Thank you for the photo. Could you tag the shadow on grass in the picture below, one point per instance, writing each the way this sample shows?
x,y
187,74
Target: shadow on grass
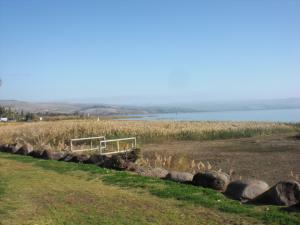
x,y
57,166
167,189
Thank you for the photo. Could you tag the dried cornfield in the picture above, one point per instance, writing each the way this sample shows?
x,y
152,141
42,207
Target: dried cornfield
x,y
58,133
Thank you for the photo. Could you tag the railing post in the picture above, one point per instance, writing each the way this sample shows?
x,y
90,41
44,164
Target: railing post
x,y
118,146
100,145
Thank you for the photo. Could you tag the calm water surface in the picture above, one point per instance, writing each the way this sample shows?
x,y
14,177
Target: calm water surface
x,y
278,115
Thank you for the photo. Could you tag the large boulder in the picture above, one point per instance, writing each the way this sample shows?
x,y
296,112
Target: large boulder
x,y
82,158
182,177
26,149
246,189
131,166
152,172
212,179
5,148
53,155
96,159
116,162
283,193
15,148
131,156
67,158
36,153
294,208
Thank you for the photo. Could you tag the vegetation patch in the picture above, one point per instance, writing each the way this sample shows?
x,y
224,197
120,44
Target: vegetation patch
x,y
2,187
163,189
57,135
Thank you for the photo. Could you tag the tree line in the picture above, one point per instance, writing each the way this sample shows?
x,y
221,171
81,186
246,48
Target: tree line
x,y
11,114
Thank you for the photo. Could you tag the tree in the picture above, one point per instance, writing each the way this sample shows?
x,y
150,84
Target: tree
x,y
30,116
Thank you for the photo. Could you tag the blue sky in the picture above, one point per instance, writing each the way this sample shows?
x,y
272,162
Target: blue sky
x,y
149,51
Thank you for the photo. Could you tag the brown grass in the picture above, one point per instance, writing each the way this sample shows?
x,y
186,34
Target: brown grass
x,y
58,134
271,158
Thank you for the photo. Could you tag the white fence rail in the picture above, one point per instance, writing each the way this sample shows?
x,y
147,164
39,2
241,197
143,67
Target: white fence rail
x,y
97,147
102,143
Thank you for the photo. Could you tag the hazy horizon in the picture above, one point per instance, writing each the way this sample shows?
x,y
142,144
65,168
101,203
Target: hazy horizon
x,y
171,103
156,52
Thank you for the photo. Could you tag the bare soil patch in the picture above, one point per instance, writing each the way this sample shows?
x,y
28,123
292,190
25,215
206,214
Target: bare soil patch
x,y
271,158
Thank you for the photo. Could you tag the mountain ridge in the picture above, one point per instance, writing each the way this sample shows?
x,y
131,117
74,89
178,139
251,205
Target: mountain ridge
x,y
112,109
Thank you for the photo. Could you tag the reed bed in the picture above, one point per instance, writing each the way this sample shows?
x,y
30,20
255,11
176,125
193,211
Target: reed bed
x,y
57,134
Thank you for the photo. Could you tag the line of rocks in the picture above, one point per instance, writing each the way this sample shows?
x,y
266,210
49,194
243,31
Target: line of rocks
x,y
284,193
122,161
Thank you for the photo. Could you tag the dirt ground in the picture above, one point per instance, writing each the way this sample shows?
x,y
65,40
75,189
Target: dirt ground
x,y
271,158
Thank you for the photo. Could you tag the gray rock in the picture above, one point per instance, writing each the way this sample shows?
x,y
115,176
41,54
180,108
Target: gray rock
x,y
212,179
15,148
36,153
294,208
25,149
116,162
283,193
131,156
96,159
152,172
67,158
82,158
246,189
53,155
5,148
131,167
182,177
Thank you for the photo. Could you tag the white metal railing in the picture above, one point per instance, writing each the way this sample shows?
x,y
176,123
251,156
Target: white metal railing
x,y
102,144
86,139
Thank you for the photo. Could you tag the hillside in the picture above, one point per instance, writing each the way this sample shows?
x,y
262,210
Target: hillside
x,y
109,109
96,109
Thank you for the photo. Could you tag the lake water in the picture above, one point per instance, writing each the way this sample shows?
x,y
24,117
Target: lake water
x,y
278,115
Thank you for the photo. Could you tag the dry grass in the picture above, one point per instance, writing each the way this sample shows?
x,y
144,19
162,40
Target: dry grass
x,y
57,134
177,162
272,158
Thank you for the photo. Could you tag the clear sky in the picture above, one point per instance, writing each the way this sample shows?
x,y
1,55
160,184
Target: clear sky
x,y
149,51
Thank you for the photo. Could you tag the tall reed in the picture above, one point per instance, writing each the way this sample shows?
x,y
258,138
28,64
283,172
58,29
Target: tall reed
x,y
58,133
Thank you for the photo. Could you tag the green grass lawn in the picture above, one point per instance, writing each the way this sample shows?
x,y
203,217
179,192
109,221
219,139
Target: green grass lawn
x,y
34,191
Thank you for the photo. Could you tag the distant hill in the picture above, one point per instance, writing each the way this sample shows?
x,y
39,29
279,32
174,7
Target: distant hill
x,y
106,109
96,109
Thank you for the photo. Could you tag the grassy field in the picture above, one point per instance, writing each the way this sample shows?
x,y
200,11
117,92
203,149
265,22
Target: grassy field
x,y
36,191
58,134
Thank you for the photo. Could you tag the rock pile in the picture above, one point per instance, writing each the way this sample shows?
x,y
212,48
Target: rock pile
x,y
120,161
